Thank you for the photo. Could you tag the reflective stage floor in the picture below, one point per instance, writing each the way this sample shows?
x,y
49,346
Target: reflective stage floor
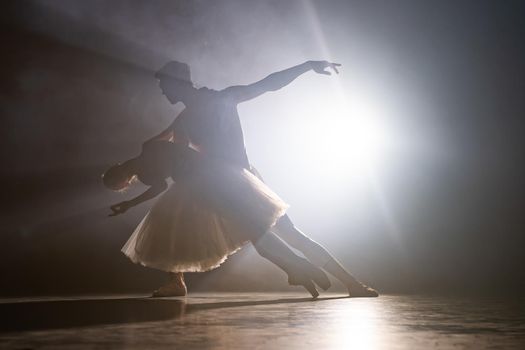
x,y
262,321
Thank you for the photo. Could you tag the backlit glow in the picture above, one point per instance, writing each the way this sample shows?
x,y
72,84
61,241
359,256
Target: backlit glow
x,y
350,137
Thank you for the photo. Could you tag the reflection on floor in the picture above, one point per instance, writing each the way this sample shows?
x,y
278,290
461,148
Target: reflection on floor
x,y
263,321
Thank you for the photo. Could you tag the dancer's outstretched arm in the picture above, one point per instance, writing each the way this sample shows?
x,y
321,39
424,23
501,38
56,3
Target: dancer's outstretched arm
x,y
278,80
152,192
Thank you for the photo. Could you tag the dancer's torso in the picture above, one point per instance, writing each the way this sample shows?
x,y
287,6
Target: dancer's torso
x,y
213,125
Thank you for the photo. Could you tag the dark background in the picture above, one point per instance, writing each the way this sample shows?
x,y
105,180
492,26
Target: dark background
x,y
77,94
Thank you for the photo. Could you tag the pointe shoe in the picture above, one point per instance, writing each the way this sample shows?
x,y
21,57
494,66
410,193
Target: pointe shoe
x,y
312,272
306,283
305,273
362,291
171,290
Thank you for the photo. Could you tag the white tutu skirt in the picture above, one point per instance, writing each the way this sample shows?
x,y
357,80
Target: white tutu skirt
x,y
203,218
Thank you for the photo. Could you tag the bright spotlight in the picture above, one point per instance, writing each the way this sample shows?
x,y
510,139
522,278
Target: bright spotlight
x,y
349,138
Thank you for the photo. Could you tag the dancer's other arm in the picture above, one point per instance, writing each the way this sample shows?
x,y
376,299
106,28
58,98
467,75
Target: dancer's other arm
x,y
278,80
152,192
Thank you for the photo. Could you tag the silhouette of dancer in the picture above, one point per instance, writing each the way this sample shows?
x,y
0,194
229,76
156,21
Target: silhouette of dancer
x,y
211,123
211,210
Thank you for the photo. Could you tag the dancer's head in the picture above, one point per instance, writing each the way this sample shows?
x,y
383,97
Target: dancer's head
x,y
118,177
175,81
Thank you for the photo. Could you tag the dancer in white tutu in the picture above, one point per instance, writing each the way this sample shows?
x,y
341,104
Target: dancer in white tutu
x,y
211,122
208,213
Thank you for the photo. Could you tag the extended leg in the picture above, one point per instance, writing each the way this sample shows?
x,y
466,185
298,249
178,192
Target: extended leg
x,y
316,253
319,256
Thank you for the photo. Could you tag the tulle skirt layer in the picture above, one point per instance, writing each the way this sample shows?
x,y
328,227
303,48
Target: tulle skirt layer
x,y
203,218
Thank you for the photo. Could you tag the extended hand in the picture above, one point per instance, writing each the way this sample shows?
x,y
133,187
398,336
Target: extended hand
x,y
119,208
321,67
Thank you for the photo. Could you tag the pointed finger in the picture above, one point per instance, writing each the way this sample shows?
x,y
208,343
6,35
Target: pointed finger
x,y
334,67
